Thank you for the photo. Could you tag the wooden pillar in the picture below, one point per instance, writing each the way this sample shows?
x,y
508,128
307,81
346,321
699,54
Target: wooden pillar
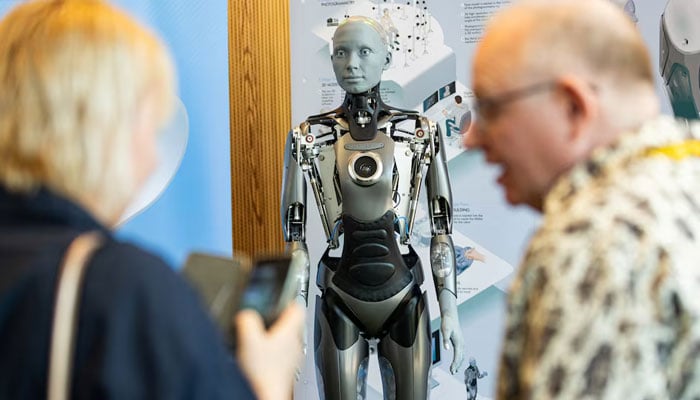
x,y
260,104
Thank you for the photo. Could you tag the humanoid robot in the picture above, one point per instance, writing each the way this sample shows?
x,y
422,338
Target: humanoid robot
x,y
679,58
365,162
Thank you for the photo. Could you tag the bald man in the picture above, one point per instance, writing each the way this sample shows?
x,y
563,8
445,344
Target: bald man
x,y
605,304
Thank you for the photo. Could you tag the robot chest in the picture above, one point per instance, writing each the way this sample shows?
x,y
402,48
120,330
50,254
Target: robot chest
x,y
365,171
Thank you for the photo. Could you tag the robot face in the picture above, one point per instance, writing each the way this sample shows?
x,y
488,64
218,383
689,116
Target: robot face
x,y
359,57
680,56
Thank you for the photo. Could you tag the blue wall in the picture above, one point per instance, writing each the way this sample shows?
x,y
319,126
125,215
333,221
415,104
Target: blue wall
x,y
194,213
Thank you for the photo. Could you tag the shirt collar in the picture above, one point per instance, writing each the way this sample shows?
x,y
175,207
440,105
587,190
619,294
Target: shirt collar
x,y
661,131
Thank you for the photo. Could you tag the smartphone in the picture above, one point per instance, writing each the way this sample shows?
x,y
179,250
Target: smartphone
x,y
271,286
219,281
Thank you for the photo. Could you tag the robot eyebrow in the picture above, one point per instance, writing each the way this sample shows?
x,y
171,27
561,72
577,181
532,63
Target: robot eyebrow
x,y
339,47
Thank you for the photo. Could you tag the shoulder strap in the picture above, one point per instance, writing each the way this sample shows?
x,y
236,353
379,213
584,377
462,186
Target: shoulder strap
x,y
65,313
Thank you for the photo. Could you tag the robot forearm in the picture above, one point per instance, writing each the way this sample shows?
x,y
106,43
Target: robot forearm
x,y
442,262
300,266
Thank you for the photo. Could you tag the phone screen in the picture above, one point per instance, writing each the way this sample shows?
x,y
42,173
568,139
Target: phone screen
x,y
265,286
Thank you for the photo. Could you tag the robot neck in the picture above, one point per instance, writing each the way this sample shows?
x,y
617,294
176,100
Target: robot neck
x,y
361,110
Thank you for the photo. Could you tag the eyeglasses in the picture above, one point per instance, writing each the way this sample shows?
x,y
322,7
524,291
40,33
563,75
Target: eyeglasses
x,y
487,109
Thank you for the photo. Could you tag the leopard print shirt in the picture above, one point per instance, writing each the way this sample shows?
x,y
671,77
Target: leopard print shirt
x,y
606,303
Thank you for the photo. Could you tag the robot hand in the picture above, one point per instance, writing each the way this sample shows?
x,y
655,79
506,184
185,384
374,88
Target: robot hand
x,y
451,331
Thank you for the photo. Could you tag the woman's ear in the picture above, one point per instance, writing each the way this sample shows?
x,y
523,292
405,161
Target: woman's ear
x,y
387,61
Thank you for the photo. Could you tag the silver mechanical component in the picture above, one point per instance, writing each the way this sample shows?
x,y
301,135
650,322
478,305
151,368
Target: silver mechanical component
x,y
365,168
444,276
300,267
442,260
679,58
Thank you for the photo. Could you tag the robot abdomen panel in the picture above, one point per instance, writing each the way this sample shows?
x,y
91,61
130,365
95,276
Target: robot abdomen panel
x,y
372,267
372,273
371,250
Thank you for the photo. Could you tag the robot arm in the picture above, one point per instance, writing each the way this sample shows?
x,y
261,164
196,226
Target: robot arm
x,y
442,254
293,213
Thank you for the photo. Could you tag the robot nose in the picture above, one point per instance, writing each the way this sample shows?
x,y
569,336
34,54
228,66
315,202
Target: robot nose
x,y
353,61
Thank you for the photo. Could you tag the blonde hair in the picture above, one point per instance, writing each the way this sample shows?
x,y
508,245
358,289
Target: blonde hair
x,y
73,74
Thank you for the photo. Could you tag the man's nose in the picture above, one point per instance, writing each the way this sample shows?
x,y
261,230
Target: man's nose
x,y
472,137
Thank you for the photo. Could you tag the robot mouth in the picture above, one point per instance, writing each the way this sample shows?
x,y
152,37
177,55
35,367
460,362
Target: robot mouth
x,y
353,78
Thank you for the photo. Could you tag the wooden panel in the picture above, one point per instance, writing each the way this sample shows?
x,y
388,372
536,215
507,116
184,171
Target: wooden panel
x,y
260,93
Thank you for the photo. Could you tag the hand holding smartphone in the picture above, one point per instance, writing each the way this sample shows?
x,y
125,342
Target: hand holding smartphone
x,y
228,285
271,286
219,281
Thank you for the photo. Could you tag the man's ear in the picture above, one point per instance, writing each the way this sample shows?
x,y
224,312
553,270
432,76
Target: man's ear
x,y
580,102
387,61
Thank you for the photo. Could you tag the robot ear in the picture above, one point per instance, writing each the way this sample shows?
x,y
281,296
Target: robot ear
x,y
387,61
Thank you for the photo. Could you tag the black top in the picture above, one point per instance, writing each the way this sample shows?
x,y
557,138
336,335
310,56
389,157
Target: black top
x,y
142,333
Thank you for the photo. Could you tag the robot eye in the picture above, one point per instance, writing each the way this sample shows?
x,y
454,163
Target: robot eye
x,y
365,51
365,168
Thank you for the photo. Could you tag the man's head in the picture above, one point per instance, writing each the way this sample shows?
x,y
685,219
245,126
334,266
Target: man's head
x,y
360,54
83,89
554,80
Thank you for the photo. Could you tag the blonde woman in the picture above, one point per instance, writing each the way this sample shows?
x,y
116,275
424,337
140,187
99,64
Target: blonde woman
x,y
83,92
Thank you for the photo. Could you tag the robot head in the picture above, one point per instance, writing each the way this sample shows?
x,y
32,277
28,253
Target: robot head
x,y
679,61
472,362
360,54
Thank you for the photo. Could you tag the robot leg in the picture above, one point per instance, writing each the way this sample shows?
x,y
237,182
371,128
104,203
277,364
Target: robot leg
x,y
404,353
341,353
